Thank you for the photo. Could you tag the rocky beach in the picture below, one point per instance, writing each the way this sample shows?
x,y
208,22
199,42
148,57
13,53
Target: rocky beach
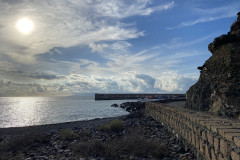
x,y
135,136
119,80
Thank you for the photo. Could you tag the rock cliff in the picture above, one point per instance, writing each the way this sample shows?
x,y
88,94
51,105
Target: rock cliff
x,y
218,87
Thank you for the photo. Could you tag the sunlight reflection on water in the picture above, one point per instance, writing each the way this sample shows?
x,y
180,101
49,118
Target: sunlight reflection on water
x,y
22,111
27,111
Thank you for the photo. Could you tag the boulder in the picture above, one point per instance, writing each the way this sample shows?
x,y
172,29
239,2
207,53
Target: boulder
x,y
218,87
114,105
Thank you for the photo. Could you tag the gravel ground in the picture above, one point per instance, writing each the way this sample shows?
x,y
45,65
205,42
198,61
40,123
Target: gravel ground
x,y
17,143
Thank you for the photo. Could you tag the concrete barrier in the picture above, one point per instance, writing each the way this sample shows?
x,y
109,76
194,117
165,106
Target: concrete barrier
x,y
210,137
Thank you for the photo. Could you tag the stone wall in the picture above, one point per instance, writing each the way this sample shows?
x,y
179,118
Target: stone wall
x,y
211,137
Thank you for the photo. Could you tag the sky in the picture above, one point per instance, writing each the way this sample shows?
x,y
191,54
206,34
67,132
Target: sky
x,y
79,47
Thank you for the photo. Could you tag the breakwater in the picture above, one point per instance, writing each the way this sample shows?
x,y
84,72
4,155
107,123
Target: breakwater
x,y
138,96
210,137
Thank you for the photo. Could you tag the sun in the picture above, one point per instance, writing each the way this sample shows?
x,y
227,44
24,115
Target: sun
x,y
25,25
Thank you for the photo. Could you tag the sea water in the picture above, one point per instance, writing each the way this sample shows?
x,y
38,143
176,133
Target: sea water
x,y
29,111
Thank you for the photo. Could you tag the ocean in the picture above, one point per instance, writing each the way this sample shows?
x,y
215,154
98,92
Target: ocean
x,y
29,111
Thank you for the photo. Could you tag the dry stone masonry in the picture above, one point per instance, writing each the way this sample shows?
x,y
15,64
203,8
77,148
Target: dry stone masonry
x,y
210,137
218,88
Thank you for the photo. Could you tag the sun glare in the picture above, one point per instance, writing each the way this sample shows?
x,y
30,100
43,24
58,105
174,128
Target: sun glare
x,y
25,25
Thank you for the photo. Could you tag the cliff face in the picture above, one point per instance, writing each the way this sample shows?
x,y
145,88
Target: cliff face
x,y
218,87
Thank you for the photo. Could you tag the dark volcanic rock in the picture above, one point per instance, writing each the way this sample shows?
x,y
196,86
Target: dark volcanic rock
x,y
133,106
114,105
218,88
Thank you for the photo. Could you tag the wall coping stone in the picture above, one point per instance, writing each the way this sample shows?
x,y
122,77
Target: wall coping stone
x,y
213,137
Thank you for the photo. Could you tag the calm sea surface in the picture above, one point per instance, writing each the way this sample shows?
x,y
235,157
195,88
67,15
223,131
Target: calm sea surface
x,y
28,111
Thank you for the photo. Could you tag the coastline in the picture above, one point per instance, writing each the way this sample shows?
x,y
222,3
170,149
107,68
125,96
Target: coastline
x,y
31,111
56,126
75,124
136,137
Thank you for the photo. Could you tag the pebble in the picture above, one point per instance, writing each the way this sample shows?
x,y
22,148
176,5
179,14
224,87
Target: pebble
x,y
58,149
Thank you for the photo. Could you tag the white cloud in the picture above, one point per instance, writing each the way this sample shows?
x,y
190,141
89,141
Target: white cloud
x,y
98,47
128,62
204,19
118,46
148,80
173,82
9,88
121,9
67,23
178,42
170,82
211,14
94,24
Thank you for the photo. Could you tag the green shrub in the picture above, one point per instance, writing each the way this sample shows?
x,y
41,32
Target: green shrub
x,y
85,133
105,127
93,147
114,125
67,134
22,141
132,144
138,145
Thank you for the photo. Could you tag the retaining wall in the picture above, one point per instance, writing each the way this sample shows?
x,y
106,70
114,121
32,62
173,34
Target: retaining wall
x,y
211,137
